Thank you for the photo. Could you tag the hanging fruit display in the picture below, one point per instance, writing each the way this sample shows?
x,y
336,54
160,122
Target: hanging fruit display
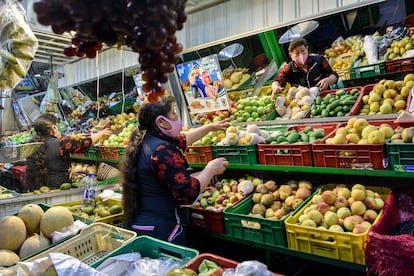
x,y
147,27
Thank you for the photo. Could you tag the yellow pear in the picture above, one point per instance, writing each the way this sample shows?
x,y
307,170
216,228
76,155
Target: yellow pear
x,y
376,137
367,130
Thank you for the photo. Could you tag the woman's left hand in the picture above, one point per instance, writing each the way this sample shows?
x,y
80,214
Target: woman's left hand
x,y
221,124
323,84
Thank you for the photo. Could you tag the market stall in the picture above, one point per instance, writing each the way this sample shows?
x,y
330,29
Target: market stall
x,y
295,159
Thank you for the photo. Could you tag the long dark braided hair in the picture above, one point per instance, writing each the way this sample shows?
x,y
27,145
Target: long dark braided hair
x,y
36,170
147,114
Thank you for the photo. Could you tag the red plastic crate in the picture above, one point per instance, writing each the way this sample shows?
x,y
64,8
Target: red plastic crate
x,y
297,155
78,154
20,172
199,154
107,152
365,91
392,254
399,65
345,155
209,220
220,261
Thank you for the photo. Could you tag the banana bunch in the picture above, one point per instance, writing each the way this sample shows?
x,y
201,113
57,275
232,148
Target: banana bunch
x,y
17,47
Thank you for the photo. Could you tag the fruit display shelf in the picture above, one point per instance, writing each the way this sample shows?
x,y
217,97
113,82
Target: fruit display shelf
x,y
12,205
383,178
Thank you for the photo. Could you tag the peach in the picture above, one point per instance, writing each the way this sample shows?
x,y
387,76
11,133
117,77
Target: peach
x,y
369,193
330,218
336,228
345,192
357,194
329,197
340,202
370,203
338,187
316,216
343,212
360,228
358,207
350,222
303,217
379,202
370,215
358,187
316,198
309,223
322,207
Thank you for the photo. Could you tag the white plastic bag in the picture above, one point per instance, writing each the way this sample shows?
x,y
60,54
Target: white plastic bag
x,y
371,49
18,44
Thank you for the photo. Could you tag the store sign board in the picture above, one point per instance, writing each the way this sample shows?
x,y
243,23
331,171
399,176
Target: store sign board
x,y
202,84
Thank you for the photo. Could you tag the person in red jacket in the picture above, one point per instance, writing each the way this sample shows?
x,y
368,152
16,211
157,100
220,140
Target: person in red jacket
x,y
49,165
304,69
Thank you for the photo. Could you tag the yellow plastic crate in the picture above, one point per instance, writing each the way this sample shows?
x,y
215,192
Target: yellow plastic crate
x,y
345,246
115,219
93,243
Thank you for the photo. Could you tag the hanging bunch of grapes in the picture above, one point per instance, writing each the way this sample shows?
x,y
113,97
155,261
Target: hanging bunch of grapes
x,y
146,26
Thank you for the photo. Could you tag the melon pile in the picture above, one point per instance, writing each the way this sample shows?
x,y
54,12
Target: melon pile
x,y
30,231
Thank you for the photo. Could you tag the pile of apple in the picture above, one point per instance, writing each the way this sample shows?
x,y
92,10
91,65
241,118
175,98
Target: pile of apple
x,y
18,138
121,139
252,109
224,193
342,209
271,201
119,121
387,96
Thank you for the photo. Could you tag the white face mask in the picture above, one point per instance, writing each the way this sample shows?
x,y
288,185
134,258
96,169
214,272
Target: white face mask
x,y
175,126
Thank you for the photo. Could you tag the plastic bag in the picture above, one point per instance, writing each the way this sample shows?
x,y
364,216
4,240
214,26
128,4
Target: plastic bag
x,y
64,265
371,49
52,96
248,268
18,44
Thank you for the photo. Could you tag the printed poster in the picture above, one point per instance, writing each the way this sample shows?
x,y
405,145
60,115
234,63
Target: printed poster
x,y
202,84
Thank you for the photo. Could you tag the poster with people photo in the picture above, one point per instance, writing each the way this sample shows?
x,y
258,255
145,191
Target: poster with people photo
x,y
202,84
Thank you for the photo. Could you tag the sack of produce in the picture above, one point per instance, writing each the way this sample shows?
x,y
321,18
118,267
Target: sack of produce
x,y
18,44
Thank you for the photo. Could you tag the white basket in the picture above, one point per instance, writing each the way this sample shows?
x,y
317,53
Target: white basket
x,y
10,154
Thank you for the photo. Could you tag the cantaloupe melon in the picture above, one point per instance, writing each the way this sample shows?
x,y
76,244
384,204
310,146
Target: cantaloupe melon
x,y
55,219
32,244
8,257
12,232
31,214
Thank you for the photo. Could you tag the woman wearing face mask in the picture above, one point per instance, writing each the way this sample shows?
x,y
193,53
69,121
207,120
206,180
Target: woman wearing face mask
x,y
156,177
304,69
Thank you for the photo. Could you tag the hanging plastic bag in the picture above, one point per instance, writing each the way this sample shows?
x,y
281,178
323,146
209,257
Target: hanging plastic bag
x,y
52,96
18,44
371,49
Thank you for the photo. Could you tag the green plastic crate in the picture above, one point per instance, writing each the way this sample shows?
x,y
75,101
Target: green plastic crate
x,y
117,108
153,248
369,70
271,232
399,154
237,154
93,152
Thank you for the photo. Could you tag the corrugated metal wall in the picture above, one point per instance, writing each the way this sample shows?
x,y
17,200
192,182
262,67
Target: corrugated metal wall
x,y
224,22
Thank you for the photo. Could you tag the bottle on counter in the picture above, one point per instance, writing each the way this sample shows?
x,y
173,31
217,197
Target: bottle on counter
x,y
90,191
